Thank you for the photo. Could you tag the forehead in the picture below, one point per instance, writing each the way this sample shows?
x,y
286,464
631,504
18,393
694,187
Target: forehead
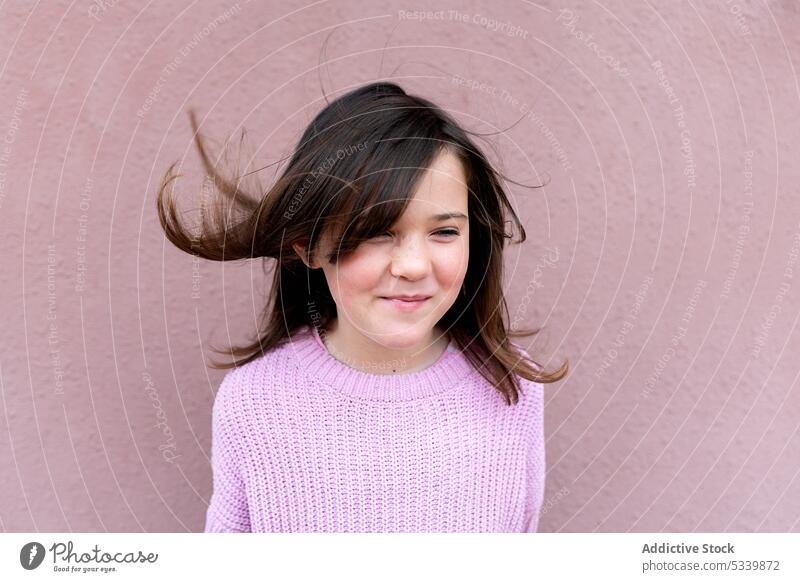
x,y
441,188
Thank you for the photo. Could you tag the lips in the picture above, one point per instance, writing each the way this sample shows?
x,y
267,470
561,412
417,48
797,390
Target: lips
x,y
406,303
408,297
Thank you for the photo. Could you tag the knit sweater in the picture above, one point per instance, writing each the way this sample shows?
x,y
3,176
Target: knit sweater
x,y
301,442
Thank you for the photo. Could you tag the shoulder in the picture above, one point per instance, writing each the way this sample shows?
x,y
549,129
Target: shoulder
x,y
531,392
258,378
231,394
240,395
531,414
239,381
531,398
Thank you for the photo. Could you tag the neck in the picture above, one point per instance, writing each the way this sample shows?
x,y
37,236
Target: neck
x,y
357,351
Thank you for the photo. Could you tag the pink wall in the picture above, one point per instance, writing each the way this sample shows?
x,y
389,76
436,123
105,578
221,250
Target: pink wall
x,y
660,255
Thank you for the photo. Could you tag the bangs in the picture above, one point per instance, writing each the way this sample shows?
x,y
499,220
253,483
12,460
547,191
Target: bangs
x,y
380,194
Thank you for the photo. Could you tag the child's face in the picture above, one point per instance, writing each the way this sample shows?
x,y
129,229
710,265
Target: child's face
x,y
422,255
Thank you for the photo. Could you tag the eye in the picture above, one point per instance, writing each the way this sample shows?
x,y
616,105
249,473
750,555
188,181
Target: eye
x,y
448,232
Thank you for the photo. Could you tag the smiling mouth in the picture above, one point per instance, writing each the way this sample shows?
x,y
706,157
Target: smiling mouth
x,y
408,299
405,304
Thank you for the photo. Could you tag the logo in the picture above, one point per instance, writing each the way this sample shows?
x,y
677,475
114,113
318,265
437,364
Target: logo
x,y
66,559
31,555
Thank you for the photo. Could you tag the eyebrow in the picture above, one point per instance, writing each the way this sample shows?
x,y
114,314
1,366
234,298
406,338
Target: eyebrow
x,y
448,215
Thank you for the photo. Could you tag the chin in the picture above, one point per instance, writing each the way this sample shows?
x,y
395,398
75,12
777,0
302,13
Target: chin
x,y
402,337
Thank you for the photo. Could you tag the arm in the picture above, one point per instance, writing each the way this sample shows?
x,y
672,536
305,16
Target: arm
x,y
535,463
227,511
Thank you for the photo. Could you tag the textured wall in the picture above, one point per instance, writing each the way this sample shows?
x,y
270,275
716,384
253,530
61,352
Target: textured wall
x,y
661,254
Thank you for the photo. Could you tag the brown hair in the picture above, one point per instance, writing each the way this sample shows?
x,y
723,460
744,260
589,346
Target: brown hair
x,y
354,165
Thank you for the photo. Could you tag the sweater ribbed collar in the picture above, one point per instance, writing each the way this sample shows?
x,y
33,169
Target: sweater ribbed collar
x,y
314,359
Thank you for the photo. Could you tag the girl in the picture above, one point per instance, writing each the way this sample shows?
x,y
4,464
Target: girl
x,y
383,393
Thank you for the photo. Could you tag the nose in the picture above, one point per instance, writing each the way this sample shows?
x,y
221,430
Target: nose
x,y
410,260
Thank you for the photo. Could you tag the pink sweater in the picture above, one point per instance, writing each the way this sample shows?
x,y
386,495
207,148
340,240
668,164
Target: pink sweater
x,y
304,443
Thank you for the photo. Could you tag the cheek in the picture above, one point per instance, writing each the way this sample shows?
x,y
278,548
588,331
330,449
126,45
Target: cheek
x,y
364,271
359,273
451,267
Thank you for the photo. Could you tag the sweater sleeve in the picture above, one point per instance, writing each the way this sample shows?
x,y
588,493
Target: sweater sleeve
x,y
535,463
227,511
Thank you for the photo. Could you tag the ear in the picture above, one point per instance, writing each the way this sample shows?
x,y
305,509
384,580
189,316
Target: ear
x,y
301,252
